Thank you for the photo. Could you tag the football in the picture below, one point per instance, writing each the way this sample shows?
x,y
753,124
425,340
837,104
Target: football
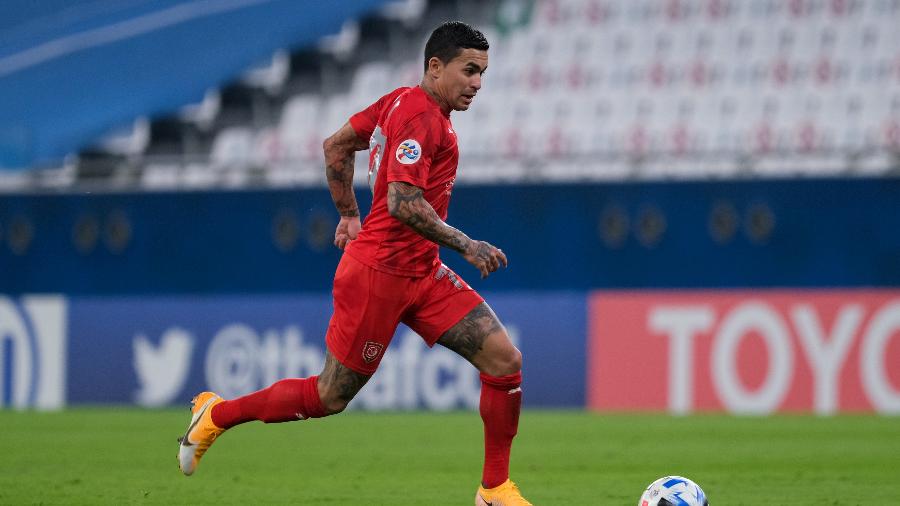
x,y
673,491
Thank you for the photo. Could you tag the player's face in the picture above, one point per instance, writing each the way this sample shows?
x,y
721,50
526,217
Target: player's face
x,y
461,78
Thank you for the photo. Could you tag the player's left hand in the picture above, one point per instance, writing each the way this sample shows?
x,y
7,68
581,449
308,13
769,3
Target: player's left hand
x,y
485,257
346,231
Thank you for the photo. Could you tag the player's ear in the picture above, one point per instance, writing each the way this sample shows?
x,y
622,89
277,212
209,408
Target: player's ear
x,y
435,67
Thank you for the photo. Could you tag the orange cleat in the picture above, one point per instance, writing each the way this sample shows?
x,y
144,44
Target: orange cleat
x,y
201,433
505,494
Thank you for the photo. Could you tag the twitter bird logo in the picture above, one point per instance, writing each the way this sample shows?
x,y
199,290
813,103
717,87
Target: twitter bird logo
x,y
162,369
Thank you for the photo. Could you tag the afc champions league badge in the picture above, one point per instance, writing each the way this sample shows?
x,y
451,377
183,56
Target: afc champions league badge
x,y
371,351
408,151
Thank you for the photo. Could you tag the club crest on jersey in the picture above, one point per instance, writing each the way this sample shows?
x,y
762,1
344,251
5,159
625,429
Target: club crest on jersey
x,y
371,351
409,151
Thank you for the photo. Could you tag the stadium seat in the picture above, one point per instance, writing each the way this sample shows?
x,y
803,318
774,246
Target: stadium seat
x,y
300,128
204,113
130,141
233,147
161,176
200,176
267,147
337,109
342,44
372,80
271,75
408,12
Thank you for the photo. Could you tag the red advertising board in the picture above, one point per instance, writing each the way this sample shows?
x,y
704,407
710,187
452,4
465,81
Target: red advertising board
x,y
751,352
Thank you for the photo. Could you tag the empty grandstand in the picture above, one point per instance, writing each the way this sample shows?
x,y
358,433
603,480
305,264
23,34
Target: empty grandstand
x,y
577,90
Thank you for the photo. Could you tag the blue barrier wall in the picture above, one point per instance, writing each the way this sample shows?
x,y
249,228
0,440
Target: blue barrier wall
x,y
816,233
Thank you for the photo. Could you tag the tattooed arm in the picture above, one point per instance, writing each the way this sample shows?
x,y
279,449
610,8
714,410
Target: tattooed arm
x,y
340,153
407,204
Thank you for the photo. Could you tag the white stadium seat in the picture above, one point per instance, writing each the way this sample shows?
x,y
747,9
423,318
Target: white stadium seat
x,y
129,141
233,147
300,129
372,80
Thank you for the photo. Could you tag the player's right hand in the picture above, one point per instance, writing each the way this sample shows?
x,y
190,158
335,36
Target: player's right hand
x,y
485,257
346,231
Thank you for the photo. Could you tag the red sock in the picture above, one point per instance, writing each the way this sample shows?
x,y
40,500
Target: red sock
x,y
501,399
286,400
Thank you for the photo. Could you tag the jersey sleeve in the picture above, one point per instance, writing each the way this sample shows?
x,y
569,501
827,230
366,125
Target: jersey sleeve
x,y
364,121
411,148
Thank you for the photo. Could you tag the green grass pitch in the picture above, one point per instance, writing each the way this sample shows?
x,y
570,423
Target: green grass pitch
x,y
127,456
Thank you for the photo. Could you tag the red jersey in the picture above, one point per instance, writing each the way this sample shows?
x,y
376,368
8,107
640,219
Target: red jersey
x,y
410,140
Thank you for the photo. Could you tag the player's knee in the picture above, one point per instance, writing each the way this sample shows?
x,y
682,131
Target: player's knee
x,y
512,361
506,362
333,400
334,405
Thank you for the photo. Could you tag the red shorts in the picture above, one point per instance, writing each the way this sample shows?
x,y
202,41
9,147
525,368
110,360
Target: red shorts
x,y
369,304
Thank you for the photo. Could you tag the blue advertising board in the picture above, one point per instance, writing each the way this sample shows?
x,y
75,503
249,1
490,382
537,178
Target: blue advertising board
x,y
157,351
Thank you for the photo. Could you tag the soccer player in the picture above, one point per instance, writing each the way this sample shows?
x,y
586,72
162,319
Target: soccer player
x,y
390,271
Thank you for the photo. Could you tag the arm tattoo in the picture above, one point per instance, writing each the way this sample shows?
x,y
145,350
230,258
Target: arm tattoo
x,y
407,203
467,337
340,183
482,251
340,153
345,382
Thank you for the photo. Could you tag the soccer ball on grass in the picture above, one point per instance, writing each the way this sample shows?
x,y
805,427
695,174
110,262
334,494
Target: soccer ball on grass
x,y
673,491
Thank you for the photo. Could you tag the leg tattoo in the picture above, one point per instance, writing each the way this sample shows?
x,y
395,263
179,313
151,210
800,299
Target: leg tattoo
x,y
467,337
339,384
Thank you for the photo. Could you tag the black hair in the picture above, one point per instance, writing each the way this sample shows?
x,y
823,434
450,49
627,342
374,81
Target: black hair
x,y
448,39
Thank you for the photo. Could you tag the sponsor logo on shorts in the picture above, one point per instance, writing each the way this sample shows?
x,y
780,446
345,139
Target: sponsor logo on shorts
x,y
409,151
371,351
444,271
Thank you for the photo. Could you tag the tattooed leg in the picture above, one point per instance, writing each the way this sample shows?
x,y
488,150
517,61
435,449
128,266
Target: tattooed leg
x,y
481,339
338,384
